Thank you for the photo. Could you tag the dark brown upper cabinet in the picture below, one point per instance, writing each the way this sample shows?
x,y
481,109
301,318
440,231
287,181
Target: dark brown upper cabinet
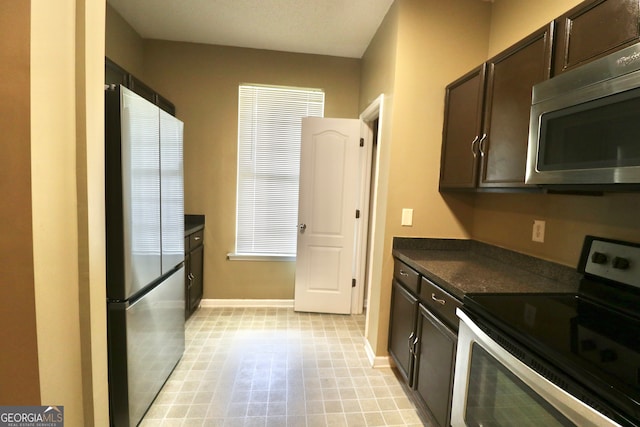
x,y
486,117
505,132
462,130
593,29
115,74
142,89
486,125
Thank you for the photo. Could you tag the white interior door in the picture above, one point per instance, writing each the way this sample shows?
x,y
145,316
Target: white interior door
x,y
329,175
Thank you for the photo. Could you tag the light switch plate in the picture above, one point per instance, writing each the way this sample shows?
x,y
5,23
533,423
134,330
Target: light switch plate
x,y
407,217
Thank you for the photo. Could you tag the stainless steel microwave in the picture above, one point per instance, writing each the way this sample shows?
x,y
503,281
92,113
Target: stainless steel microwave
x,y
585,125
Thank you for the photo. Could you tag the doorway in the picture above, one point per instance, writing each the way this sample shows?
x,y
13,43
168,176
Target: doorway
x,y
363,231
371,119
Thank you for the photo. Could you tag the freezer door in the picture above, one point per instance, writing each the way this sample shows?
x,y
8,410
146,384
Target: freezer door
x,y
171,191
140,192
146,341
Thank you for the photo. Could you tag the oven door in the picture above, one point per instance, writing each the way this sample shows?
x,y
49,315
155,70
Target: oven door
x,y
494,388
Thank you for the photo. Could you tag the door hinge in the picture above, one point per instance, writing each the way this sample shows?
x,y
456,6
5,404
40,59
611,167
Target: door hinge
x,y
357,213
353,283
361,142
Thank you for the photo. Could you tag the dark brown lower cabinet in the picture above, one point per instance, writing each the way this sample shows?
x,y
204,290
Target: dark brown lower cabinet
x,y
422,341
402,329
435,359
194,271
195,280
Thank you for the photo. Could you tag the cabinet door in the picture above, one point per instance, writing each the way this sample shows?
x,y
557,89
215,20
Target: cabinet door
x,y
510,79
593,29
187,285
114,74
165,104
402,329
461,133
433,377
142,89
195,293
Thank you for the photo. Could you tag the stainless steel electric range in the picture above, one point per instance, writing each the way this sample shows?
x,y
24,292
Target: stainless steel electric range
x,y
555,359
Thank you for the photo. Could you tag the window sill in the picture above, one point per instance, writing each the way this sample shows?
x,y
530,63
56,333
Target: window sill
x,y
259,257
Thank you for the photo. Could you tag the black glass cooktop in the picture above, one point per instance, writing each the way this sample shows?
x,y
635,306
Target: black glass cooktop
x,y
596,345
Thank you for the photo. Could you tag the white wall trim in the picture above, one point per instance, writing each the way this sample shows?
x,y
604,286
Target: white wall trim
x,y
363,226
247,303
259,257
376,362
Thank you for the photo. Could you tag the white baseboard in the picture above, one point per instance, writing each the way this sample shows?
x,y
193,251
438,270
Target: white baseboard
x,y
288,303
376,362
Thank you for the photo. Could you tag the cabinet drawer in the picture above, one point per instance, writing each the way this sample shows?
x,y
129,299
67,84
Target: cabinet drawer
x,y
440,303
196,239
407,276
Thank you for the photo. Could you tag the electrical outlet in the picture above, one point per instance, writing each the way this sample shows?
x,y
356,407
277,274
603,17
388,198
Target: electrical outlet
x,y
407,217
538,231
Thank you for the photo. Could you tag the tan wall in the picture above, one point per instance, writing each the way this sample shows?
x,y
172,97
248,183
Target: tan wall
x,y
378,77
123,44
427,43
19,356
202,81
67,142
90,42
507,219
379,62
512,20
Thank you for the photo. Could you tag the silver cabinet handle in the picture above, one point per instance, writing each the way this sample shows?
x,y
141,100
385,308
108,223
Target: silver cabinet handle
x,y
481,144
439,301
196,238
403,273
302,227
474,150
410,342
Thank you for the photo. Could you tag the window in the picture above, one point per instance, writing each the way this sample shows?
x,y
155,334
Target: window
x,y
269,132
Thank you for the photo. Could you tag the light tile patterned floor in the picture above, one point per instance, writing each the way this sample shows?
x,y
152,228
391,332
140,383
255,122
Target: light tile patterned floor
x,y
274,367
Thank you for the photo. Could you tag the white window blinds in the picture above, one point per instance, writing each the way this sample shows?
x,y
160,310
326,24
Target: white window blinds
x,y
269,132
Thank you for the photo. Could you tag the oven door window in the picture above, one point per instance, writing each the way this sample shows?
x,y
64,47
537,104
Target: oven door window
x,y
496,397
602,133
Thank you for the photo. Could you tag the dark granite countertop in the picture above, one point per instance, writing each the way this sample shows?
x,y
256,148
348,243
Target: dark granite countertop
x,y
193,223
467,266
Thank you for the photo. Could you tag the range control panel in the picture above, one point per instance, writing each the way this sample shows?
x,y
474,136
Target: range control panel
x,y
612,260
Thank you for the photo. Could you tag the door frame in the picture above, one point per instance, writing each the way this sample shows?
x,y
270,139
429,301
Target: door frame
x,y
368,176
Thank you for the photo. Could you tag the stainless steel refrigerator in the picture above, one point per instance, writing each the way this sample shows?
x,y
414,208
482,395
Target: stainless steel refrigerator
x,y
145,251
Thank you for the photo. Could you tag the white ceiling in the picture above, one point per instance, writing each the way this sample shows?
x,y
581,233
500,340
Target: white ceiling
x,y
326,27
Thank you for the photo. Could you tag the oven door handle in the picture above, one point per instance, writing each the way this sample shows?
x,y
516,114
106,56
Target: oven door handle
x,y
469,335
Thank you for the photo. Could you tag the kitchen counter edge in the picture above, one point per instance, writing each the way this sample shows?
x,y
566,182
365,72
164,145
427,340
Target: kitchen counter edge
x,y
463,267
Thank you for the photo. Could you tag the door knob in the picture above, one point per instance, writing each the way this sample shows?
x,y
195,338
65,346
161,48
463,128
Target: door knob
x,y
302,227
